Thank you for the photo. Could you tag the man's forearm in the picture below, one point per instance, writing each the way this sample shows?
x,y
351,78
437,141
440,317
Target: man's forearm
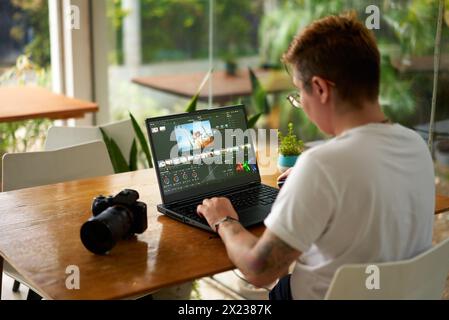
x,y
239,243
262,260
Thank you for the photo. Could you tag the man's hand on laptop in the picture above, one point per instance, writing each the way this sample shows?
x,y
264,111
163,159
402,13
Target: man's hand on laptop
x,y
215,209
285,174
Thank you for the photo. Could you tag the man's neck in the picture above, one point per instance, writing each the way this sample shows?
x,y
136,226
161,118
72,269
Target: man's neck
x,y
369,113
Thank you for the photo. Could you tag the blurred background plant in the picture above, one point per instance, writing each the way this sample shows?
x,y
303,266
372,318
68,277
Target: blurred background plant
x,y
409,22
185,33
407,29
21,136
31,28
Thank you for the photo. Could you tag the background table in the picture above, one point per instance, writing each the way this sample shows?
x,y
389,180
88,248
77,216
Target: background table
x,y
226,88
30,102
39,236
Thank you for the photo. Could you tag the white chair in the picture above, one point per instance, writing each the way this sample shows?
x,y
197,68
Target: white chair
x,y
23,170
122,132
422,277
29,169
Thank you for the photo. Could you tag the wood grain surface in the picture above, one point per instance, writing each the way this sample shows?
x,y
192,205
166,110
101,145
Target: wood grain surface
x,y
30,102
39,236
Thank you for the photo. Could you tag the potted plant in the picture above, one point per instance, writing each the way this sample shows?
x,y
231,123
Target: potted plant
x,y
290,149
230,62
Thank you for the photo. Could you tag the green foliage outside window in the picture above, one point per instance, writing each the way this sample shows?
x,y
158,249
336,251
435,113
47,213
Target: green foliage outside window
x,y
407,29
34,13
174,30
20,136
178,30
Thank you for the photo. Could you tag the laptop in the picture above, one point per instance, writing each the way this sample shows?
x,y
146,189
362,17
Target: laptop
x,y
205,154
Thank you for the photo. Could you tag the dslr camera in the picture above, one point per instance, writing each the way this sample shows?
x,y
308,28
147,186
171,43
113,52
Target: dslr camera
x,y
114,218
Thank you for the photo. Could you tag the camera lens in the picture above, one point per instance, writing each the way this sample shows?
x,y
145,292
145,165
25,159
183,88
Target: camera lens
x,y
100,233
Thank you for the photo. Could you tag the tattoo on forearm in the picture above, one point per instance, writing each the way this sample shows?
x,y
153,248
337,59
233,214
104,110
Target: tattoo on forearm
x,y
273,255
268,255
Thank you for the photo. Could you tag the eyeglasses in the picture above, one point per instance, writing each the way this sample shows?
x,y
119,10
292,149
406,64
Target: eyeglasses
x,y
294,100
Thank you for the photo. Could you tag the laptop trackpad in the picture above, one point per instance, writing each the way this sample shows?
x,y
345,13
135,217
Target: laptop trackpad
x,y
253,215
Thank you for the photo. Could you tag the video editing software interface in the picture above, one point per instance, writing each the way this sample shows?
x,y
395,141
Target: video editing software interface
x,y
202,152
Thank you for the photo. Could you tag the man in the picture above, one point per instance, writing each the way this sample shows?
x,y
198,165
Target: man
x,y
367,195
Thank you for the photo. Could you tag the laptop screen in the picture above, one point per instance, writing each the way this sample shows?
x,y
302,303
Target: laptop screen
x,y
202,152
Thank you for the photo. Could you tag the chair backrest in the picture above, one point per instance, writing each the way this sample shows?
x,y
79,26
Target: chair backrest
x,y
29,169
422,277
122,132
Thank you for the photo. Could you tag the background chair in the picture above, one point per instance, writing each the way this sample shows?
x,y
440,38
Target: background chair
x,y
23,170
422,277
122,132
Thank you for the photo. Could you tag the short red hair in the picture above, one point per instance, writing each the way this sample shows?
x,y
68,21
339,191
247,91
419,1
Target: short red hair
x,y
342,50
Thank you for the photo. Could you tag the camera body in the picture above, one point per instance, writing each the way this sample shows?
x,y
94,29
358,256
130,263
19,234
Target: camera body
x,y
114,218
126,198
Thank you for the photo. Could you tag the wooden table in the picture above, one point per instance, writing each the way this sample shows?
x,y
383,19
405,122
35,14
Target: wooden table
x,y
30,102
420,63
39,236
226,88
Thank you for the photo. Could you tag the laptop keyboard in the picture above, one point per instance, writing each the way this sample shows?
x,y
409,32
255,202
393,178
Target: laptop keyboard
x,y
260,195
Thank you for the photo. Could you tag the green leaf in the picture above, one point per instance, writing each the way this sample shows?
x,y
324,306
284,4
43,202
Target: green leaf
x,y
115,154
193,102
252,121
133,156
142,141
107,142
122,166
259,95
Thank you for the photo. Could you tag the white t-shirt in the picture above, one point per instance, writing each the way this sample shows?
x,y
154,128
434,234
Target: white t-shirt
x,y
365,196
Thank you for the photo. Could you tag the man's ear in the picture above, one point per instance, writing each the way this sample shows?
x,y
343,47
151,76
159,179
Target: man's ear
x,y
321,88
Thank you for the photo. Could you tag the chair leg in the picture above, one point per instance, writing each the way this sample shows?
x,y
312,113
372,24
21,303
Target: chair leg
x,y
33,295
16,286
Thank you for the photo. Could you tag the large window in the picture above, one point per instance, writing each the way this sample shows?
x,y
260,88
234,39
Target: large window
x,y
152,37
155,37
